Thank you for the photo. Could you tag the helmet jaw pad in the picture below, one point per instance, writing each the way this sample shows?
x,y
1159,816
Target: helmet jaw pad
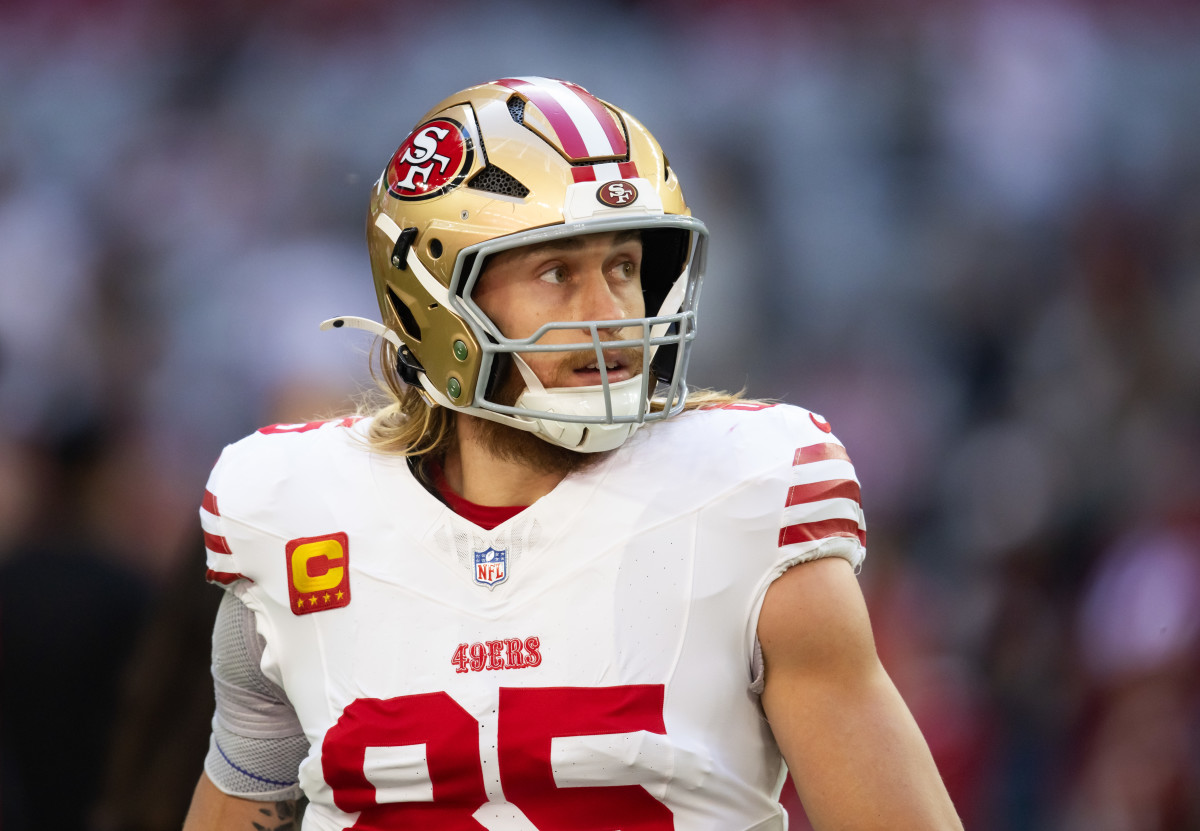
x,y
438,346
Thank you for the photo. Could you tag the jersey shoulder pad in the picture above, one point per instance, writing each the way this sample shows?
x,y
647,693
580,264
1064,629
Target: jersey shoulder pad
x,y
750,437
788,456
253,474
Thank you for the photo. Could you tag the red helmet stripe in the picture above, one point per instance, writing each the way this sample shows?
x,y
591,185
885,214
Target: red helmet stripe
x,y
581,123
616,139
564,127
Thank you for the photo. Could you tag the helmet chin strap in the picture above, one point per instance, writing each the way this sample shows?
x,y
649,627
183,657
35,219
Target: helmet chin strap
x,y
364,324
387,334
623,396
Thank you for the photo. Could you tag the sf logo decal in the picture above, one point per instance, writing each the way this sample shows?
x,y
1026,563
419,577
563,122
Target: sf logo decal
x,y
617,194
432,160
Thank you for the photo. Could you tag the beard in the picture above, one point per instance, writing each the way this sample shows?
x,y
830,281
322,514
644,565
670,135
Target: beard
x,y
512,444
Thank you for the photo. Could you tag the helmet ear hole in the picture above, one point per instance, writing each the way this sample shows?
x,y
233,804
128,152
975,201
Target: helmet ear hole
x,y
435,248
408,322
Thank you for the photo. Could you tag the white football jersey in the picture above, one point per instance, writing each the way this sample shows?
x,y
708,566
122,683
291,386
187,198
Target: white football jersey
x,y
585,665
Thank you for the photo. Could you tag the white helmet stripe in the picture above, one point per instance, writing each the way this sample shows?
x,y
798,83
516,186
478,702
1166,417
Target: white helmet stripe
x,y
581,123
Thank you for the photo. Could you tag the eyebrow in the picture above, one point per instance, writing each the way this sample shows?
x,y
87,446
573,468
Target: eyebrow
x,y
572,243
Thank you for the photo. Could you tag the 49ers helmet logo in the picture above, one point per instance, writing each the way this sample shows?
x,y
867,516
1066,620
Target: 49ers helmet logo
x,y
431,161
617,194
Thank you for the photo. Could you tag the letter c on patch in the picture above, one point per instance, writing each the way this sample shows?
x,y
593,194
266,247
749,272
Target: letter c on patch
x,y
316,566
318,571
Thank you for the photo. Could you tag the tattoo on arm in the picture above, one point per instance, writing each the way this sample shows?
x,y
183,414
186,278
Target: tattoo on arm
x,y
280,818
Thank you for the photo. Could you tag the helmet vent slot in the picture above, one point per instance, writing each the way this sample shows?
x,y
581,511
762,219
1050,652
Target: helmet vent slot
x,y
407,321
494,180
516,109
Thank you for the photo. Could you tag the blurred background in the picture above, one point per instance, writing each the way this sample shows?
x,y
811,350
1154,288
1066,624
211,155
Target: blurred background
x,y
966,232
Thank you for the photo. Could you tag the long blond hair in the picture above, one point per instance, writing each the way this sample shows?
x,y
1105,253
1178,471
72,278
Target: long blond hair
x,y
404,424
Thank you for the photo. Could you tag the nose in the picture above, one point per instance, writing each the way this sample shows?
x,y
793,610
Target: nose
x,y
601,300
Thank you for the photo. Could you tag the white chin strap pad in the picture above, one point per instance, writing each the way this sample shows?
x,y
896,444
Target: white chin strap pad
x,y
581,401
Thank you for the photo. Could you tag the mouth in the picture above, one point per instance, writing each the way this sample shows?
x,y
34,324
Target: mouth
x,y
590,375
618,365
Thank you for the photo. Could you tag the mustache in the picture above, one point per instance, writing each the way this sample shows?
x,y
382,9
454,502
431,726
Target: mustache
x,y
629,357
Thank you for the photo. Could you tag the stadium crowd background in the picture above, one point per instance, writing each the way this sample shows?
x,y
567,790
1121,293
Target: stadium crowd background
x,y
966,232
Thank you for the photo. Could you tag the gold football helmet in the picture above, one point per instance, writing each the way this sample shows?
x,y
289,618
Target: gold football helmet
x,y
511,163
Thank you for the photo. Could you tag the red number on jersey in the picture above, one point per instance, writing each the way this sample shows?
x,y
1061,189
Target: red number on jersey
x,y
451,738
529,720
460,659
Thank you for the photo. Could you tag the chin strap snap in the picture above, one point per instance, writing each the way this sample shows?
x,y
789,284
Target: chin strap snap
x,y
407,366
364,324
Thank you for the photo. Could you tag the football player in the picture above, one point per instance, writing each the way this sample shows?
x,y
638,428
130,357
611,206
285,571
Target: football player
x,y
546,586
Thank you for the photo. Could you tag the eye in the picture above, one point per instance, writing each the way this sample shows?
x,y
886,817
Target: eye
x,y
555,275
626,270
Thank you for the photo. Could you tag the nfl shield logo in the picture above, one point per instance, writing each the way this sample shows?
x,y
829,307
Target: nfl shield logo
x,y
491,567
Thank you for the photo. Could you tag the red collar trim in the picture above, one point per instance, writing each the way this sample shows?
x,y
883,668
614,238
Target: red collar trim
x,y
485,516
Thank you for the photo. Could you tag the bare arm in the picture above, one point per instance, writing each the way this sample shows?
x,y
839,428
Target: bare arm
x,y
213,810
857,756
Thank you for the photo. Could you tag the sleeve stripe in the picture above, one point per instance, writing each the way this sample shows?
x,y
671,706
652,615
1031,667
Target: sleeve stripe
x,y
820,452
215,543
809,531
210,503
827,489
822,510
224,577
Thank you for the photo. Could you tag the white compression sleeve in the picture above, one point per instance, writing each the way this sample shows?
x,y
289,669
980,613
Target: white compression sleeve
x,y
257,743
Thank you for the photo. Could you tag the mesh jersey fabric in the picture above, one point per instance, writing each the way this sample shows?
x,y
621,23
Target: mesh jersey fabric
x,y
257,742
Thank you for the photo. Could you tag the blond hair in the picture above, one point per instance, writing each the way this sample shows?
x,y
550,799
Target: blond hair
x,y
405,424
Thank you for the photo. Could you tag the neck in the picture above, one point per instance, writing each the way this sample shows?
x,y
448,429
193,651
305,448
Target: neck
x,y
487,465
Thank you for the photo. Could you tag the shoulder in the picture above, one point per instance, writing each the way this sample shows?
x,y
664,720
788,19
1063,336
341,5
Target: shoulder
x,y
749,438
783,459
272,458
289,443
763,447
292,481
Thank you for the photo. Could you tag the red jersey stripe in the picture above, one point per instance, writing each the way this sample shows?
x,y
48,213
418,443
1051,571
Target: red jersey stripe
x,y
819,453
615,137
568,134
821,529
210,502
214,543
224,577
828,489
